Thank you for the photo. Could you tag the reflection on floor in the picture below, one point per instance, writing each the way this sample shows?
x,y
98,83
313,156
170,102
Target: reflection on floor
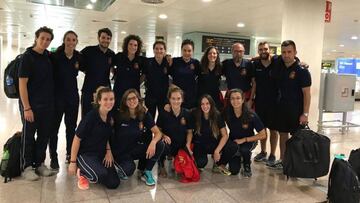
x,y
266,185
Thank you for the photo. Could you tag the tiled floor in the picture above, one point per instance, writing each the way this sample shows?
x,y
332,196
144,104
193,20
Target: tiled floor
x,y
266,185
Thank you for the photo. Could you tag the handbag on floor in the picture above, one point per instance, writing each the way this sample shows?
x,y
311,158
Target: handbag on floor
x,y
10,166
343,185
307,154
354,160
184,165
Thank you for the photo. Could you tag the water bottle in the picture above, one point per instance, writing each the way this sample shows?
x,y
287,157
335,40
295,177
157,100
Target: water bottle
x,y
9,80
340,156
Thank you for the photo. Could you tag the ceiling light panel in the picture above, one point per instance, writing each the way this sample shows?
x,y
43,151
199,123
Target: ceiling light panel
x,y
83,4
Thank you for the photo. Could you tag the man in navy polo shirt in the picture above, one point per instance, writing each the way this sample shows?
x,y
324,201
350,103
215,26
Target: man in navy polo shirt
x,y
239,73
266,96
294,84
97,65
36,87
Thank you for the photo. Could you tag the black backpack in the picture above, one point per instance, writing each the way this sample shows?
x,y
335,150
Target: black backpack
x,y
10,166
344,185
354,161
11,78
307,154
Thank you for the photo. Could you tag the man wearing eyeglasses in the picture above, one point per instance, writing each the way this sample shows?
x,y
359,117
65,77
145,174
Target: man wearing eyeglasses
x,y
239,73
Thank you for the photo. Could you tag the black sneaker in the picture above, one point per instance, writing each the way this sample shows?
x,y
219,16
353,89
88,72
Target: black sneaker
x,y
247,171
54,164
261,157
67,161
271,160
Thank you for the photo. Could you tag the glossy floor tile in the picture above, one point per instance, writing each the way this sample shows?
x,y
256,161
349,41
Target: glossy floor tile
x,y
265,185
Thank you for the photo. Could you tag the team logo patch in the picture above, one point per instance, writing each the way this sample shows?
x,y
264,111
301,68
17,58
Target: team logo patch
x,y
292,75
192,67
165,70
245,126
136,65
183,121
243,72
76,65
141,125
109,61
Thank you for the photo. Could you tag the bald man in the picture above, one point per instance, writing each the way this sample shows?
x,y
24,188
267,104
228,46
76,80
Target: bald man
x,y
239,73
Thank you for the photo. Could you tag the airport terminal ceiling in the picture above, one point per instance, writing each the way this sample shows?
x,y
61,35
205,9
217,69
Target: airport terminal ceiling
x,y
259,19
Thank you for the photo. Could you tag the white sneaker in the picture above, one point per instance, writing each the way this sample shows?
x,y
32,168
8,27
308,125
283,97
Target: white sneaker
x,y
29,174
42,170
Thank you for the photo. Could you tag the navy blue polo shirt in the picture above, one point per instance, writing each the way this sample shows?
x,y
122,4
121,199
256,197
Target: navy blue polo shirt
x,y
127,73
209,83
240,130
175,127
206,135
238,77
39,71
185,75
130,132
97,66
157,78
290,81
65,72
266,89
94,133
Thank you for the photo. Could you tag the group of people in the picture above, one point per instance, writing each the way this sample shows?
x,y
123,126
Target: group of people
x,y
118,127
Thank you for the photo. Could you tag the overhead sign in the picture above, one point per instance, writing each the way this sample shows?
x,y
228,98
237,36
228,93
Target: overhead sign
x,y
348,65
224,44
328,12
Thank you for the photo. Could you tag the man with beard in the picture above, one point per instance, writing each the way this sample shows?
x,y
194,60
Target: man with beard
x,y
266,95
239,74
97,65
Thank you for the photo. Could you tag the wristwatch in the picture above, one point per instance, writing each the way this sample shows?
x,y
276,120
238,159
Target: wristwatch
x,y
306,114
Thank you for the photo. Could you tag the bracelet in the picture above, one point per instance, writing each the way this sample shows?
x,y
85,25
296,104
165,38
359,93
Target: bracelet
x,y
28,109
246,140
74,162
108,149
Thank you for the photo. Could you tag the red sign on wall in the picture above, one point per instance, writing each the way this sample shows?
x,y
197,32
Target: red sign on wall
x,y
328,12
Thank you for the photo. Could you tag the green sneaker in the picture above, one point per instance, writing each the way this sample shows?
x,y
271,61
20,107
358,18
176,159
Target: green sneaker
x,y
148,178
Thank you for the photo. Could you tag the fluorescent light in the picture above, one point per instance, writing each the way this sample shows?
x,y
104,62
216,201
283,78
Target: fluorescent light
x,y
334,50
89,6
354,37
177,37
123,32
93,1
206,1
341,45
163,16
240,25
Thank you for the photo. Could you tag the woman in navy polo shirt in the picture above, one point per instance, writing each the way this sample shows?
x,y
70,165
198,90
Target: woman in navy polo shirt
x,y
211,137
91,156
129,65
66,63
157,79
184,70
175,126
209,78
242,122
133,138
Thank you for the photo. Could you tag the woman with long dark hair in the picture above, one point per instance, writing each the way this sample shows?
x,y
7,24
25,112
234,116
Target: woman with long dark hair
x,y
211,137
66,62
129,65
133,138
242,122
209,78
91,156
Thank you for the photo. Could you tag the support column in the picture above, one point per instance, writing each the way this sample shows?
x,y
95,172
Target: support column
x,y
303,22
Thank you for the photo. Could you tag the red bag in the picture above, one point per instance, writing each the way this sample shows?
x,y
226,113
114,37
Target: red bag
x,y
184,164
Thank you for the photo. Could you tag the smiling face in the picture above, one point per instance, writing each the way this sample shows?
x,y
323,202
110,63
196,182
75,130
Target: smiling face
x,y
132,101
132,47
236,100
70,41
264,51
159,51
43,41
238,51
187,52
176,100
104,40
107,101
212,55
205,105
